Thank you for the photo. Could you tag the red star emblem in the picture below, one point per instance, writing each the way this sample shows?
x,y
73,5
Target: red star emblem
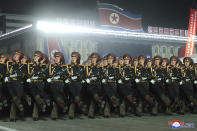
x,y
114,18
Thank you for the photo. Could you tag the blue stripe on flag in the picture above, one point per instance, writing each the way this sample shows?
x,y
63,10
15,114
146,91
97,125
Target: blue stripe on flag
x,y
109,6
46,49
62,50
115,28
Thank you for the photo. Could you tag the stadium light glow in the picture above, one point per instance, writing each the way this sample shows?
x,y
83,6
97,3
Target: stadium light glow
x,y
65,28
13,33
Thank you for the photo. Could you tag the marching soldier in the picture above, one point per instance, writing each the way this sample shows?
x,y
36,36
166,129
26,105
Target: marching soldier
x,y
174,77
75,73
3,99
158,82
109,78
56,79
14,83
25,60
121,61
188,76
126,86
93,80
36,84
135,61
143,75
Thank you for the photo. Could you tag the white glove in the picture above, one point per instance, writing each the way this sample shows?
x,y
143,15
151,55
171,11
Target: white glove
x,y
127,79
14,75
103,80
6,79
195,82
120,81
67,81
181,82
49,80
152,81
94,78
111,77
28,80
35,77
167,81
74,77
82,81
56,78
88,81
137,80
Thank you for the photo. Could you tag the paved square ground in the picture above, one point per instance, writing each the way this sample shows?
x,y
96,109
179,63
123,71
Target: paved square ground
x,y
128,123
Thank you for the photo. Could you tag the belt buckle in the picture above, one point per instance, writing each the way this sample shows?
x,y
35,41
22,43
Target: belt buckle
x,y
144,78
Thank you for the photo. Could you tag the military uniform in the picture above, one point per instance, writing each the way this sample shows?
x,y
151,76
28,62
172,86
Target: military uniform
x,y
110,75
143,76
14,83
158,84
126,86
37,74
187,90
57,75
3,70
93,80
75,73
173,79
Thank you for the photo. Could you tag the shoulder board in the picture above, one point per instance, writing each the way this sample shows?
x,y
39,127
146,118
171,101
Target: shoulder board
x,y
31,63
81,65
43,64
24,63
64,65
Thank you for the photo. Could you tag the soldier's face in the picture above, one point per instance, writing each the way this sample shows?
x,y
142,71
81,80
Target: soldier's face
x,y
173,62
115,64
121,62
149,64
42,61
36,58
2,60
74,60
110,61
126,62
164,63
16,57
141,61
157,62
89,61
94,60
187,63
135,63
24,60
105,63
57,60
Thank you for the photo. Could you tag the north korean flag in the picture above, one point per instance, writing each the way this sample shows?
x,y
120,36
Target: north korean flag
x,y
53,45
115,18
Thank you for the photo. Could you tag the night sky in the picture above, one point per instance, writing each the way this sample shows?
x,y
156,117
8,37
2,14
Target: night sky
x,y
164,13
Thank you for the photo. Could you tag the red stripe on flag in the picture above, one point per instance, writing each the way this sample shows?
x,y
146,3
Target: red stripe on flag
x,y
53,47
191,32
124,21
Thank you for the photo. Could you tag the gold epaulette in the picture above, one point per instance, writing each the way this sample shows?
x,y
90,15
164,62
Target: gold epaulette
x,y
43,64
81,65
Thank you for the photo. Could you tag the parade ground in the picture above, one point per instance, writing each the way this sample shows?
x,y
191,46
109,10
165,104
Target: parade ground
x,y
115,123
